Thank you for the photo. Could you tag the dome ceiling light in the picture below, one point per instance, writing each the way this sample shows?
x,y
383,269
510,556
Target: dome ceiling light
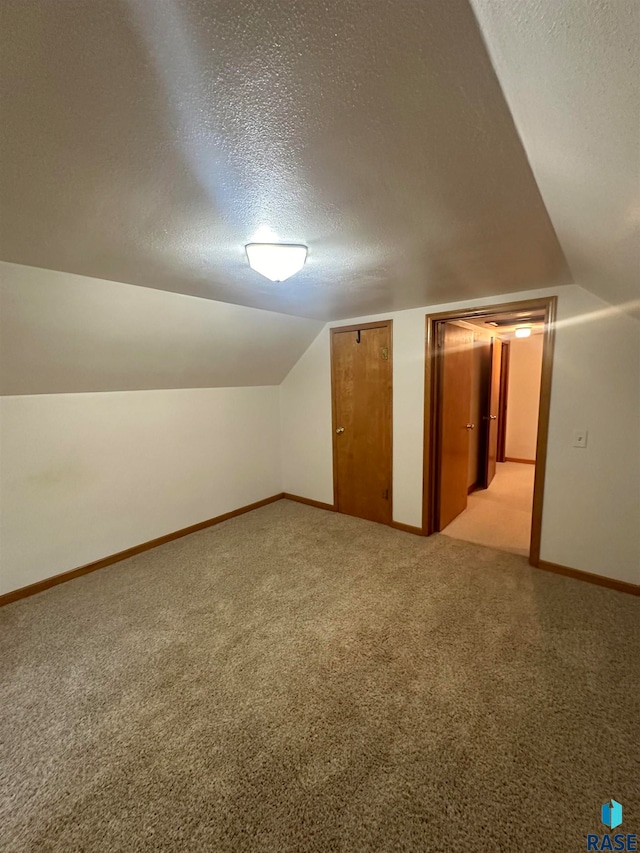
x,y
276,261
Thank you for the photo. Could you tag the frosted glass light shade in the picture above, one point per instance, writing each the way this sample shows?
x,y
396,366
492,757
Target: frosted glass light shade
x,y
276,261
523,332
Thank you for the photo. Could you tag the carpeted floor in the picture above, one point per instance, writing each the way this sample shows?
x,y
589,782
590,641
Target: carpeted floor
x,y
296,681
499,516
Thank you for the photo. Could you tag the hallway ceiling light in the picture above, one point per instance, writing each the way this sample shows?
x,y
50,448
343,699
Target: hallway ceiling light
x,y
276,261
523,332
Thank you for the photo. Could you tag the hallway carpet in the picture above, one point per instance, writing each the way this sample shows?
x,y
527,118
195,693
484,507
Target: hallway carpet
x,y
500,516
298,680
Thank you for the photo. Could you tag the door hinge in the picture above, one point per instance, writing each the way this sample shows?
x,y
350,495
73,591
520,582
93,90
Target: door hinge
x,y
384,352
440,335
385,494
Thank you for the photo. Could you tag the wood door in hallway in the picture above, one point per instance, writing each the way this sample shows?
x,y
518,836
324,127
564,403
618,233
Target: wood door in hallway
x,y
455,345
502,415
361,373
492,412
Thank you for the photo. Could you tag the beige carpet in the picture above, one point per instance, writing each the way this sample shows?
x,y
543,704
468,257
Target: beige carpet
x,y
296,680
500,516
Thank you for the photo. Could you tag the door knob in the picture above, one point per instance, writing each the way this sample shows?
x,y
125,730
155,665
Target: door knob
x,y
471,426
340,429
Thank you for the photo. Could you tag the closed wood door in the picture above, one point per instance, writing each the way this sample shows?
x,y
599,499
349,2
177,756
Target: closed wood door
x,y
362,401
502,414
456,363
492,408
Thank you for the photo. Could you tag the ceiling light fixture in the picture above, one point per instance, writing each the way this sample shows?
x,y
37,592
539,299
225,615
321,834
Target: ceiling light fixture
x,y
523,332
276,261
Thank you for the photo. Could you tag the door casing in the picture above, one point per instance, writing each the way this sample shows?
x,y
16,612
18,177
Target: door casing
x,y
492,401
432,407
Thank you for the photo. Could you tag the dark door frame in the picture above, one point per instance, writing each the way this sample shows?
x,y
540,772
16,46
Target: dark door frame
x,y
336,330
504,394
432,409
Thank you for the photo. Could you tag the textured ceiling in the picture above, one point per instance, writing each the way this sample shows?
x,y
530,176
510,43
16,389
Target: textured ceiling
x,y
64,333
506,329
570,71
147,141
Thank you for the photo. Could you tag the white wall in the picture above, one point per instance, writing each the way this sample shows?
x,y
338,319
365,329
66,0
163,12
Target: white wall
x,y
592,496
523,396
305,415
63,333
86,475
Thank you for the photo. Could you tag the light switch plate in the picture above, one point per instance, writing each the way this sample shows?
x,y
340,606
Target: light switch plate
x,y
580,438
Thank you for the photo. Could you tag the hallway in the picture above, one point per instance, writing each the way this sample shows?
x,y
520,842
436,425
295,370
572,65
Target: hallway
x,y
499,516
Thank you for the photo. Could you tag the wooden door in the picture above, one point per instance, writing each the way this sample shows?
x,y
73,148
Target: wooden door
x,y
502,413
362,407
492,411
456,364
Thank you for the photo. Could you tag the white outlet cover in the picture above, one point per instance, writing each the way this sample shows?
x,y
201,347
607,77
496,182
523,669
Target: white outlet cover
x,y
580,438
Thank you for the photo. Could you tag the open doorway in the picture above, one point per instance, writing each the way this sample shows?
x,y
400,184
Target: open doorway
x,y
488,383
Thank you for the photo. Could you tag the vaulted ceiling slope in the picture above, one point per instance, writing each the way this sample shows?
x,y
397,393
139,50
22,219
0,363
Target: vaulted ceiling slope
x,y
66,333
570,71
147,141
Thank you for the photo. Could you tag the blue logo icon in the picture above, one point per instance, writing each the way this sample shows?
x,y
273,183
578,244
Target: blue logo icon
x,y
611,814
